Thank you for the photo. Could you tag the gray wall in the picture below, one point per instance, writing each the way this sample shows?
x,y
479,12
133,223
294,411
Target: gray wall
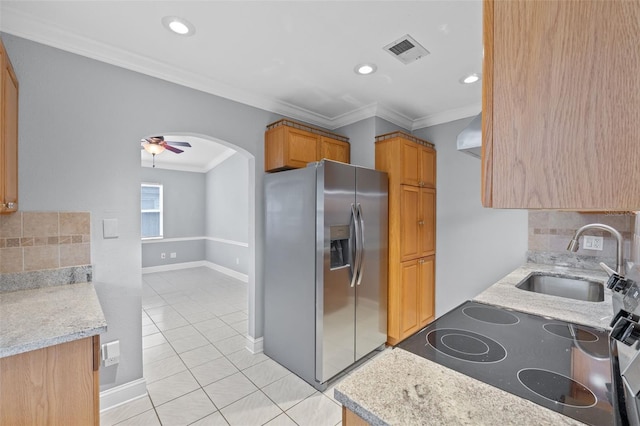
x,y
184,196
474,246
227,209
184,200
362,137
80,125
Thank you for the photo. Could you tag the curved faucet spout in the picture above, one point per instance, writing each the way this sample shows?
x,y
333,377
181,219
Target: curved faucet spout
x,y
574,245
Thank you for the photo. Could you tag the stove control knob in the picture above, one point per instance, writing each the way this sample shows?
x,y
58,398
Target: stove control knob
x,y
631,334
624,314
626,330
618,283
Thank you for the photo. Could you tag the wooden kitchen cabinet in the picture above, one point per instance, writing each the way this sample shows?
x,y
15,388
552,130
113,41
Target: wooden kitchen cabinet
x,y
410,164
334,149
418,164
349,418
8,135
415,295
57,385
292,145
561,101
417,222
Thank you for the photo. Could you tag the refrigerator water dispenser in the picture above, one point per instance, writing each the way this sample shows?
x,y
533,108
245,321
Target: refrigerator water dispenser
x,y
340,236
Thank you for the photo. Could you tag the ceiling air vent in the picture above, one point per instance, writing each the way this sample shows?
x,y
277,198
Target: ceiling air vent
x,y
406,49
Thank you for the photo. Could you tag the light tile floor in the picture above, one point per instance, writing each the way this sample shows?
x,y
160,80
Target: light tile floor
x,y
197,368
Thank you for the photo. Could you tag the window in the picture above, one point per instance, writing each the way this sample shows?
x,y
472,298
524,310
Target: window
x,y
151,210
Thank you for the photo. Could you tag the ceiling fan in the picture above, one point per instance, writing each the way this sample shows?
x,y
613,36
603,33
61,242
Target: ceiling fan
x,y
156,145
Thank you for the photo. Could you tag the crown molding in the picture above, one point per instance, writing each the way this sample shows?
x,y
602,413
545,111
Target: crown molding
x,y
371,110
394,117
29,27
447,116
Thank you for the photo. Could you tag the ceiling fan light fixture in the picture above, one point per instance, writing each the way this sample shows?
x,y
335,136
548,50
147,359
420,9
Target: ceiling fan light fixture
x,y
178,25
365,69
153,148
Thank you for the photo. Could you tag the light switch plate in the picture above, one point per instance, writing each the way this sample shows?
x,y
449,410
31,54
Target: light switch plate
x,y
110,228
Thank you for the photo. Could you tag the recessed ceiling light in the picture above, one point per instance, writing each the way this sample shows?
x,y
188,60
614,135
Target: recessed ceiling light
x,y
365,69
178,25
471,78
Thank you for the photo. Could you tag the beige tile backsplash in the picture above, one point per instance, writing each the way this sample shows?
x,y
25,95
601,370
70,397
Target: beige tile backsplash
x,y
33,241
551,231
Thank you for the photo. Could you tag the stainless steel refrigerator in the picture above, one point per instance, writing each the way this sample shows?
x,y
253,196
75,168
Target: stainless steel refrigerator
x,y
325,268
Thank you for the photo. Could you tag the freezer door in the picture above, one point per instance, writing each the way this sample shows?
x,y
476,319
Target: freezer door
x,y
371,284
335,245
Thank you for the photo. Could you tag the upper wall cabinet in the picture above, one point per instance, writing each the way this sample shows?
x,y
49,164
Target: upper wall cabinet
x,y
8,135
561,105
291,145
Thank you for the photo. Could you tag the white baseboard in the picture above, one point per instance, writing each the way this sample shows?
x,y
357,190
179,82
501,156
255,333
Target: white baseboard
x,y
255,346
185,265
122,394
173,266
235,274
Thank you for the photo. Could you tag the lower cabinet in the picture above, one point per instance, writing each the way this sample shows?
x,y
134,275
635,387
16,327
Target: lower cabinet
x,y
57,385
414,296
349,418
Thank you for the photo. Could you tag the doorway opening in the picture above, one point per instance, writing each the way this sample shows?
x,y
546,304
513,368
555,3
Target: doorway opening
x,y
205,215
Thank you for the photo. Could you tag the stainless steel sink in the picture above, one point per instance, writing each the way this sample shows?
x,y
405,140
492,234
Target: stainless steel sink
x,y
571,288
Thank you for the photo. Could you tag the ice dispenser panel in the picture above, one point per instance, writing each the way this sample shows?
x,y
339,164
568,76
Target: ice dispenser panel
x,y
339,235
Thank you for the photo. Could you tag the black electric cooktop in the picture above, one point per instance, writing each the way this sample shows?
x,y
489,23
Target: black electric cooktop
x,y
559,365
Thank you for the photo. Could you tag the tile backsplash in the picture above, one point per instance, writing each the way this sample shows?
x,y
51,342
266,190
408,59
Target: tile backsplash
x,y
34,241
551,231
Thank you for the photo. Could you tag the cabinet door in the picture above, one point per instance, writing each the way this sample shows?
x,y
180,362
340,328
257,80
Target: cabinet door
x,y
410,217
426,290
301,148
410,154
53,385
409,298
427,167
289,148
561,100
333,149
8,136
427,222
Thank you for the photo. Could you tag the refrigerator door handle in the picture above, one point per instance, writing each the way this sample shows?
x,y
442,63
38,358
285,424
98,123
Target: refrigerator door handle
x,y
361,248
355,261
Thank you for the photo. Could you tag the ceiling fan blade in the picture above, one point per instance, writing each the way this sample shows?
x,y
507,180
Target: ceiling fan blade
x,y
178,143
172,149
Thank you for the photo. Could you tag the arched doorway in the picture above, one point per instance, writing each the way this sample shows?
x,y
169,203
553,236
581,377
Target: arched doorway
x,y
227,248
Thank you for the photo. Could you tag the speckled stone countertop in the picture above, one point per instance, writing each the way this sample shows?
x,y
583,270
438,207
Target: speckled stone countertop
x,y
400,388
504,293
38,318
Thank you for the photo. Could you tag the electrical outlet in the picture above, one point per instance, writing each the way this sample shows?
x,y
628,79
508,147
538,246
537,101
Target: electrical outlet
x,y
163,255
593,243
173,255
111,353
237,260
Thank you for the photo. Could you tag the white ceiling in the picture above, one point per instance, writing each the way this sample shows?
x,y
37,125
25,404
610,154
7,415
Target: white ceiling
x,y
295,58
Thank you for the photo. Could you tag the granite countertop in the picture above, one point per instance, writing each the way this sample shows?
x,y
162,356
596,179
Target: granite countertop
x,y
504,293
38,318
400,388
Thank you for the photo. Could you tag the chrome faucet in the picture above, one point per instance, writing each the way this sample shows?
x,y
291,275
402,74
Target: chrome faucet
x,y
574,245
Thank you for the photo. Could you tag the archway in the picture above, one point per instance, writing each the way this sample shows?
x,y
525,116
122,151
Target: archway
x,y
200,139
